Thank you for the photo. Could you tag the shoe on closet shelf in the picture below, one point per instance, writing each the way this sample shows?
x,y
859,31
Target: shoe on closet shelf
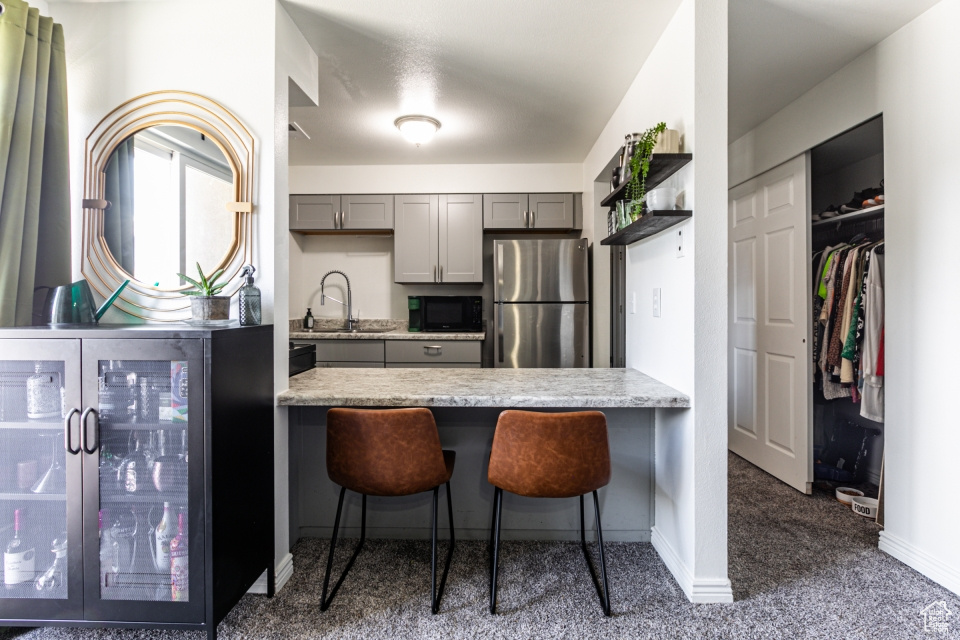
x,y
829,212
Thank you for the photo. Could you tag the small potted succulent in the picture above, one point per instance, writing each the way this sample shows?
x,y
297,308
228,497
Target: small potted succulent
x,y
204,301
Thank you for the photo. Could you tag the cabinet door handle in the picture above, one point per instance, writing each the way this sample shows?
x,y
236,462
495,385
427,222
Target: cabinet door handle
x,y
526,219
441,273
68,432
533,219
434,273
427,348
84,429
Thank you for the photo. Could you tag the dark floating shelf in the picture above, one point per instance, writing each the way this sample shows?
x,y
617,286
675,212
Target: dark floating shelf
x,y
652,223
662,166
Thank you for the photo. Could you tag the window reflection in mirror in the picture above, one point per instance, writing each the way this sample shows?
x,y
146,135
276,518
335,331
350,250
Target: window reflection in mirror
x,y
168,186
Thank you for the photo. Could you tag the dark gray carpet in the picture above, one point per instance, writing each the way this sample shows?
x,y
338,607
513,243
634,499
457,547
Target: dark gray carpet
x,y
801,567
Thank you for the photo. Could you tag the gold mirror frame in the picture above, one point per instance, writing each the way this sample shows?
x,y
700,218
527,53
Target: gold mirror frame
x,y
98,264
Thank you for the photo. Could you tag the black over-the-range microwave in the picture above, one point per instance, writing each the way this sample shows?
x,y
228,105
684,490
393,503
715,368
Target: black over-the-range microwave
x,y
446,313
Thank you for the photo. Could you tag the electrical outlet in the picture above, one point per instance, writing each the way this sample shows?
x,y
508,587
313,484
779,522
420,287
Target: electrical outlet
x,y
633,302
656,302
679,243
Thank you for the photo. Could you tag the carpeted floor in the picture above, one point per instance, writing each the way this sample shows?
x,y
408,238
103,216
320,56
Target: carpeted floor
x,y
807,568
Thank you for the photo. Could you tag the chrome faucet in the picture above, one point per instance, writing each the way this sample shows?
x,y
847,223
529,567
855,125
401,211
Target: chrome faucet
x,y
351,321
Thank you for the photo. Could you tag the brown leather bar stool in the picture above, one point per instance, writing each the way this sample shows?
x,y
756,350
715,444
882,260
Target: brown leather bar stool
x,y
550,455
392,452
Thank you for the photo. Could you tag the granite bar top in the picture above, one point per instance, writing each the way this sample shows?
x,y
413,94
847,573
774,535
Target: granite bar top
x,y
374,329
517,388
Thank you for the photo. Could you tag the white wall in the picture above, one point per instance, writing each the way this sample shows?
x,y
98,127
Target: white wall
x,y
685,347
170,44
906,77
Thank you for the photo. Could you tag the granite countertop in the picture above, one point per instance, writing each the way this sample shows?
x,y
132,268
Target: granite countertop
x,y
589,388
375,329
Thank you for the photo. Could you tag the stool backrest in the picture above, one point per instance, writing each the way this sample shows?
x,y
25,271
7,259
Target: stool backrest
x,y
390,452
550,455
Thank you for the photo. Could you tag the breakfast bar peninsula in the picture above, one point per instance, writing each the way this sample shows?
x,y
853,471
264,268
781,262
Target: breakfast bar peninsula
x,y
465,404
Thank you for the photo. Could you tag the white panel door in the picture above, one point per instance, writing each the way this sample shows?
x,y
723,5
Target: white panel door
x,y
771,391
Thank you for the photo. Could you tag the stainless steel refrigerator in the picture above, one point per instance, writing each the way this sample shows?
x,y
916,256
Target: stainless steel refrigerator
x,y
541,303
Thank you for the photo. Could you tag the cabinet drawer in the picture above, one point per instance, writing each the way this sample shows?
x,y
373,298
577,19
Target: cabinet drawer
x,y
349,350
433,365
427,351
350,365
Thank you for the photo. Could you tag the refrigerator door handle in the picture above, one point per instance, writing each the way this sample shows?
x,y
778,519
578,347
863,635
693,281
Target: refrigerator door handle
x,y
500,330
498,283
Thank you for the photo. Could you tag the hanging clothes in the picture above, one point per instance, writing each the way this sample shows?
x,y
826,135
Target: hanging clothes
x,y
848,329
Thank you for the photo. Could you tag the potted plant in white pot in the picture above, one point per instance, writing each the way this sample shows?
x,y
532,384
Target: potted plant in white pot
x,y
205,304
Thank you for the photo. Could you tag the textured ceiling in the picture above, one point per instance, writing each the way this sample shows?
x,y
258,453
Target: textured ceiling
x,y
779,49
511,81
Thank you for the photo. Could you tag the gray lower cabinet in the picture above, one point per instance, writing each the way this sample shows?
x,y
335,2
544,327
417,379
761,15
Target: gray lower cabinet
x,y
438,239
352,354
341,213
507,211
433,353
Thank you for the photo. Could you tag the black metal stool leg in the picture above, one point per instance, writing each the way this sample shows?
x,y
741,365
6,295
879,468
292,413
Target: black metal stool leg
x,y
324,601
438,593
603,592
497,510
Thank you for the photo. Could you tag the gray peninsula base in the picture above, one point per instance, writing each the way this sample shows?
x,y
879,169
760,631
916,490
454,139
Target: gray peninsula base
x,y
626,504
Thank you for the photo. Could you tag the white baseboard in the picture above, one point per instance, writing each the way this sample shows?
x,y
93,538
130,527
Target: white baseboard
x,y
922,561
709,590
284,573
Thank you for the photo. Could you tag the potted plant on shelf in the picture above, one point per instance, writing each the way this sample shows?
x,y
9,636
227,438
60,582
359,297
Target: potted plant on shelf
x,y
205,304
640,167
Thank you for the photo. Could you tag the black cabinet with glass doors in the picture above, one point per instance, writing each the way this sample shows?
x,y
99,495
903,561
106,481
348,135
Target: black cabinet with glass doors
x,y
136,474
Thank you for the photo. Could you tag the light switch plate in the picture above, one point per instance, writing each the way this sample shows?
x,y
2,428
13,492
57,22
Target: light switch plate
x,y
656,302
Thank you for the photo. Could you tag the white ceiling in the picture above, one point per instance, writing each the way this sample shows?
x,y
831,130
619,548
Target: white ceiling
x,y
779,49
511,81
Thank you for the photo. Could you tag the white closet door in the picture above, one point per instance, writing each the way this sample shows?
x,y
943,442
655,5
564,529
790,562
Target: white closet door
x,y
770,305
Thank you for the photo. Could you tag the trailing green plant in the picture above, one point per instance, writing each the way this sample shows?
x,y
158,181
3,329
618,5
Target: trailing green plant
x,y
206,287
640,167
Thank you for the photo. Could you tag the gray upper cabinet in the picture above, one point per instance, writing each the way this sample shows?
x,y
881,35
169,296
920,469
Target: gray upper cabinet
x,y
551,210
461,238
335,213
438,239
506,211
415,238
314,212
366,212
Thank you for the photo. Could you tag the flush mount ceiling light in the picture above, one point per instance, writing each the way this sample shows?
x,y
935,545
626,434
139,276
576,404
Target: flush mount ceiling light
x,y
417,129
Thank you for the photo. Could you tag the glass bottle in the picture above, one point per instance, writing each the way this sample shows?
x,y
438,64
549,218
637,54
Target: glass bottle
x,y
179,564
19,557
249,299
55,576
163,534
109,551
43,394
308,321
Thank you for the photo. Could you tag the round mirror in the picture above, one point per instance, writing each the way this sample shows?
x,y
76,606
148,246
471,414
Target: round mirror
x,y
167,186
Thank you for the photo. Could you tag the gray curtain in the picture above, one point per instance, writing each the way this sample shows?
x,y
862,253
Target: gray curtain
x,y
119,190
34,168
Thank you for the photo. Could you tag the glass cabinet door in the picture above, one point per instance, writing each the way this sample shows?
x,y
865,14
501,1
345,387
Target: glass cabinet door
x,y
143,458
40,480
